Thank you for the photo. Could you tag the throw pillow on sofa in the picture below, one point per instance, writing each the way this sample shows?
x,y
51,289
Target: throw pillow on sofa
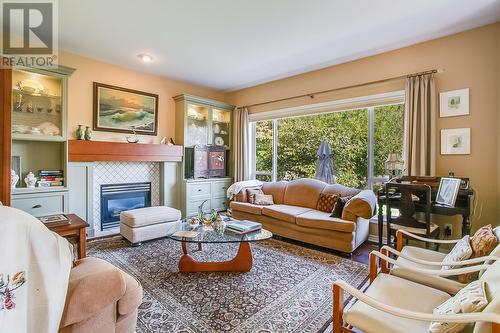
x,y
326,202
241,196
339,205
251,192
263,199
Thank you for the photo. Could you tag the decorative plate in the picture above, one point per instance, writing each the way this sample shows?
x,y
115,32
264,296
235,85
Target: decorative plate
x,y
219,141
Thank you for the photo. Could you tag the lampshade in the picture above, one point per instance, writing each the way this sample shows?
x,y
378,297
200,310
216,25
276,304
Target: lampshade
x,y
393,162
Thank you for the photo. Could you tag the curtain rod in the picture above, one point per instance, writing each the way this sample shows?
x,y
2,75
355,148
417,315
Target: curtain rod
x,y
313,94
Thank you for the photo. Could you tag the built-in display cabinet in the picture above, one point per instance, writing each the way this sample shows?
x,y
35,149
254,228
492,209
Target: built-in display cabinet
x,y
39,140
202,121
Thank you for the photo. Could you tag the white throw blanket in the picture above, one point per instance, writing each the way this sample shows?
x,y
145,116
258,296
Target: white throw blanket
x,y
34,272
238,186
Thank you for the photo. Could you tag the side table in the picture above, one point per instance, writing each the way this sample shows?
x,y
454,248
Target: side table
x,y
76,230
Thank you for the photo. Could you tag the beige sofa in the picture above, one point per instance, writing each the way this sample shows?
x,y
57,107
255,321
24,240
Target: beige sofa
x,y
294,213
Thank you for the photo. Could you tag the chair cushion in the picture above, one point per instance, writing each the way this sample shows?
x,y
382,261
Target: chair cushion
x,y
461,251
470,299
420,253
246,207
322,220
447,285
492,278
149,215
284,212
400,293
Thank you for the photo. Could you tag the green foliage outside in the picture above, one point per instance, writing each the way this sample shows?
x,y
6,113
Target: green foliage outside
x,y
347,132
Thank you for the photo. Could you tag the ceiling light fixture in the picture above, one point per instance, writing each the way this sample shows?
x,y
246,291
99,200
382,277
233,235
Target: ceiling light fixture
x,y
145,57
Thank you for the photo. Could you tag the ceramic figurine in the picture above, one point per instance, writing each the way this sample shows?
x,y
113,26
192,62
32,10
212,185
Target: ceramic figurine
x,y
88,133
30,180
132,138
13,179
80,135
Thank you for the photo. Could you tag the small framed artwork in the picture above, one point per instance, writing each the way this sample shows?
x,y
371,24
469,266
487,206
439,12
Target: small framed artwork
x,y
448,191
454,103
124,110
455,141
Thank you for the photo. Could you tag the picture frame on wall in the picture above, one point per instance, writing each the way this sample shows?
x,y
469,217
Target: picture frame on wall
x,y
118,109
454,103
448,191
455,141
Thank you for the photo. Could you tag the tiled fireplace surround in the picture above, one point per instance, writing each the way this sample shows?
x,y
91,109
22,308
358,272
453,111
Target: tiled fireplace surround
x,y
123,172
163,177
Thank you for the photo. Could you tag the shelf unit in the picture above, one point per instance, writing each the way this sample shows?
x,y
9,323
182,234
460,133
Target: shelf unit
x,y
204,121
39,136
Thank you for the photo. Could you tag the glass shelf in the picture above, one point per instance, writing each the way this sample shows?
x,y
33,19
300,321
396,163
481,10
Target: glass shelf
x,y
197,125
37,110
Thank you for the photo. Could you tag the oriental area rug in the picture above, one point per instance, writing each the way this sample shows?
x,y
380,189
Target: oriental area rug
x,y
289,288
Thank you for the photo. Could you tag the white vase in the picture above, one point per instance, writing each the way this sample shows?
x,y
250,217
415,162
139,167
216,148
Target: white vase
x,y
30,180
13,179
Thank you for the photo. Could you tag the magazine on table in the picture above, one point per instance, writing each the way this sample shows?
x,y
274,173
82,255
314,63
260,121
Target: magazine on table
x,y
243,227
55,219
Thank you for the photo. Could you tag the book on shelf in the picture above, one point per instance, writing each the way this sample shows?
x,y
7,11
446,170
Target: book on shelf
x,y
243,227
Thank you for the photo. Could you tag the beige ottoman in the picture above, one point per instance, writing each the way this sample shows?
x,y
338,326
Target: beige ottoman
x,y
147,223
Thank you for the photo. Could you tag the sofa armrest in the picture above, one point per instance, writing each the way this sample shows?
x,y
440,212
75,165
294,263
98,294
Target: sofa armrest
x,y
93,284
361,205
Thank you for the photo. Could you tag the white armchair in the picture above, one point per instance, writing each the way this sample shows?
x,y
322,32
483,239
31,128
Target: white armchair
x,y
395,305
410,257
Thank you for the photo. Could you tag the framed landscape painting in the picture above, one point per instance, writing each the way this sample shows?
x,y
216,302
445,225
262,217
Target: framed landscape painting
x,y
454,103
121,110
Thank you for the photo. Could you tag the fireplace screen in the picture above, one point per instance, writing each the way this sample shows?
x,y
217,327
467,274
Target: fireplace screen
x,y
116,198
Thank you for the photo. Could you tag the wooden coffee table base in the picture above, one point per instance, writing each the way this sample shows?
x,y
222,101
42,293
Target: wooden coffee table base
x,y
242,262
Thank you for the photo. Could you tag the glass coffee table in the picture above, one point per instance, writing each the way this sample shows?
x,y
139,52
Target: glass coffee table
x,y
243,260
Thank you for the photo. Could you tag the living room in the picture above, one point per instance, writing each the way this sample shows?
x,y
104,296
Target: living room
x,y
337,169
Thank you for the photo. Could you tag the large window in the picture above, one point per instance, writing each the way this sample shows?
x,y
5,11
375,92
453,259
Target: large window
x,y
285,148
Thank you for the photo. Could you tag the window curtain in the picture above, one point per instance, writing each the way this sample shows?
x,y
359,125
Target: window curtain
x,y
420,133
241,167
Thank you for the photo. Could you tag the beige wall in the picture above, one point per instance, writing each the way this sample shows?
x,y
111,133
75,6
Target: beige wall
x,y
90,70
470,60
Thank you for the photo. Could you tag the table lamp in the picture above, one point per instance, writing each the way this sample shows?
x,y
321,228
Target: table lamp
x,y
393,163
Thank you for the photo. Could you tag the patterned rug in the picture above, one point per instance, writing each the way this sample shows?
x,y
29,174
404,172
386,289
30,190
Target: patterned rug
x,y
289,288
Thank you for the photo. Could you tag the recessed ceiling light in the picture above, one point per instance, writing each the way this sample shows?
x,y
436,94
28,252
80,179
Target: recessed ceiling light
x,y
145,57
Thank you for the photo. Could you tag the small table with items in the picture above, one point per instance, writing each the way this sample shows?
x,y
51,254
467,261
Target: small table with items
x,y
462,204
72,228
187,233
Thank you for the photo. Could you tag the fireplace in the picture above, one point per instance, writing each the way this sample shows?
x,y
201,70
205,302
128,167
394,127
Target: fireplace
x,y
116,198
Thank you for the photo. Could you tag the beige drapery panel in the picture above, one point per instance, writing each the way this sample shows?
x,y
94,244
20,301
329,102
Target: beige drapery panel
x,y
420,130
241,168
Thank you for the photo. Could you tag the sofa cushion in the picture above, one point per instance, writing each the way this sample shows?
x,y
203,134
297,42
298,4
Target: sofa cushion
x,y
246,207
149,215
340,190
326,202
284,212
263,199
339,205
241,196
322,220
303,192
276,189
251,192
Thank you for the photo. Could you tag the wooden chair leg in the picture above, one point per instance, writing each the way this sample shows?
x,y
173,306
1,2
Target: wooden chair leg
x,y
399,241
338,309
